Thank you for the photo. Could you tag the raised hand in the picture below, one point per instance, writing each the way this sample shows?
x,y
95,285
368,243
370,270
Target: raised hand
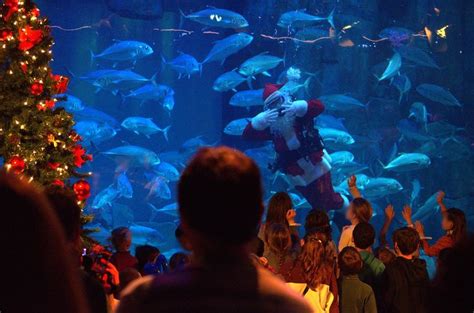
x,y
264,119
420,229
352,181
389,212
440,196
406,213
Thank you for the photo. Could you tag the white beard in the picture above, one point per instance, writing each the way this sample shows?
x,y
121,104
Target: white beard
x,y
283,126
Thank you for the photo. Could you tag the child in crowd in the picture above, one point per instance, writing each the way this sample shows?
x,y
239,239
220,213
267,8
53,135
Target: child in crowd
x,y
405,280
372,269
385,255
359,210
279,246
122,240
318,220
355,295
178,261
312,274
453,223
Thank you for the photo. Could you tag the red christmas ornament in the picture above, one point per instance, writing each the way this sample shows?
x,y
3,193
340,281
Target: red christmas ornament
x,y
50,104
12,8
82,189
58,183
61,83
37,89
28,38
6,34
17,164
24,67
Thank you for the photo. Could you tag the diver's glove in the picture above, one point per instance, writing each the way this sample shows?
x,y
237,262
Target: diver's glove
x,y
293,74
297,108
264,119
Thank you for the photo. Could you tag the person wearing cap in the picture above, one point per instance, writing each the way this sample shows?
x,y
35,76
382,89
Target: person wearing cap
x,y
300,149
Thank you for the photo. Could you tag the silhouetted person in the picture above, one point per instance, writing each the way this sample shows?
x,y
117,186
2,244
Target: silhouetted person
x,y
37,272
65,205
222,277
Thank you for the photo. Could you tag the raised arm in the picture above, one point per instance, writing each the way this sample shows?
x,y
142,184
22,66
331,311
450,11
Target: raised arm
x,y
352,182
440,200
389,216
257,128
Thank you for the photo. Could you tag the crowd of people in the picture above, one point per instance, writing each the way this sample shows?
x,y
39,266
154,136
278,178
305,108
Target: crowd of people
x,y
231,260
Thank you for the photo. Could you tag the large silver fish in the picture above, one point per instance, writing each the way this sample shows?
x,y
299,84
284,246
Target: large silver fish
x,y
393,67
336,136
228,46
339,102
228,81
94,132
380,187
144,126
151,92
133,156
408,162
301,19
259,64
237,127
215,17
438,94
122,51
116,81
417,56
184,64
247,98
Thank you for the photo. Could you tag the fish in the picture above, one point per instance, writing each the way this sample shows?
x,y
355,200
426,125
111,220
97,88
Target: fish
x,y
311,34
193,144
415,191
455,148
247,98
69,103
442,129
215,17
124,186
398,36
116,81
259,64
91,114
301,19
167,170
237,127
339,102
330,121
144,126
158,187
410,130
292,87
428,209
151,92
409,162
438,94
380,187
106,197
168,103
124,51
349,168
419,112
134,156
341,157
228,81
184,64
136,9
336,136
170,209
393,67
94,132
298,201
142,235
417,56
228,46
403,84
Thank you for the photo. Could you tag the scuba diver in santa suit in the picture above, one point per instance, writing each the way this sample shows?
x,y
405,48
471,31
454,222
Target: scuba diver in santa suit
x,y
300,149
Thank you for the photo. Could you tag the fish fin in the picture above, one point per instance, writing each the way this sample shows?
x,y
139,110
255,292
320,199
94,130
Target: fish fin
x,y
330,18
165,132
97,90
381,163
136,132
266,74
154,78
179,76
223,61
200,69
306,85
164,62
249,82
116,64
234,90
182,18
92,57
70,73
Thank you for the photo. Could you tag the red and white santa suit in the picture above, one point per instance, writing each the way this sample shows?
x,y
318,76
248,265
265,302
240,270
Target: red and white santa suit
x,y
310,174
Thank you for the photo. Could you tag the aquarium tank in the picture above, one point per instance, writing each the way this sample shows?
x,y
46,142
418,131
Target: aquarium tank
x,y
153,81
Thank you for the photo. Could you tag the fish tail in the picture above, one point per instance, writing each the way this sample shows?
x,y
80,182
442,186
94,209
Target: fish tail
x,y
154,79
249,82
165,132
330,18
306,85
164,62
92,57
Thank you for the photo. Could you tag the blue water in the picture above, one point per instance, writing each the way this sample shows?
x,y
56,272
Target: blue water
x,y
345,61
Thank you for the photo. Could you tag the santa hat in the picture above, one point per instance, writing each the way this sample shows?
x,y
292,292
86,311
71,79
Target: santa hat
x,y
271,89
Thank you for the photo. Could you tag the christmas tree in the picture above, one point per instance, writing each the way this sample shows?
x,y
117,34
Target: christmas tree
x,y
36,138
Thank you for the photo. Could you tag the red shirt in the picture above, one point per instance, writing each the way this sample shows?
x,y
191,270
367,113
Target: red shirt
x,y
123,260
443,243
